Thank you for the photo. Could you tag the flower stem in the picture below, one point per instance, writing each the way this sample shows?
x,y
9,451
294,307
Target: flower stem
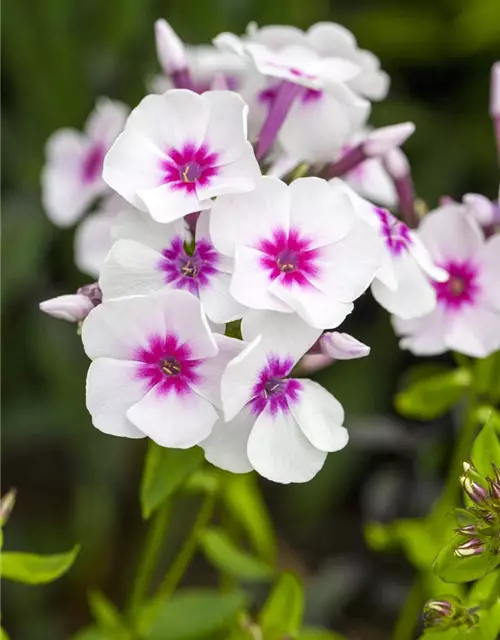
x,y
149,558
408,617
188,549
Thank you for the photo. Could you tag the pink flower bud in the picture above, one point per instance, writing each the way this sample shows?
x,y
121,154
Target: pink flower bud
x,y
468,530
381,141
342,346
495,91
476,492
313,362
169,48
6,505
396,164
472,547
481,208
72,308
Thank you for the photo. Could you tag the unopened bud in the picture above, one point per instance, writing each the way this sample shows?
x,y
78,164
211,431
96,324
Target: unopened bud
x,y
169,48
494,489
6,505
383,140
313,362
468,530
396,164
72,308
495,91
476,492
439,613
342,346
480,208
473,547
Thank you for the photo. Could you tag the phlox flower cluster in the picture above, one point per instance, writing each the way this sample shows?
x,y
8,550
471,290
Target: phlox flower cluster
x,y
227,223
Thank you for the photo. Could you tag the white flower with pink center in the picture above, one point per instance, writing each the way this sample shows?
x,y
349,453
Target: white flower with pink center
x,y
156,368
71,178
278,425
154,259
297,248
467,316
181,149
402,284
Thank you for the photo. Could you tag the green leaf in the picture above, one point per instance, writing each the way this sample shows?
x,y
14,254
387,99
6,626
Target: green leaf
x,y
486,591
107,616
226,556
192,613
490,622
282,613
245,503
486,449
31,568
92,632
432,397
451,568
3,634
314,633
165,471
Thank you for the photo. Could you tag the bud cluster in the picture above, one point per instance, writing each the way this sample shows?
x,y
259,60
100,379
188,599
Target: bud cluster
x,y
483,528
448,613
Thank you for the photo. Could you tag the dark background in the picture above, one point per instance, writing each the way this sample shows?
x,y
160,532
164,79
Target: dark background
x,y
76,484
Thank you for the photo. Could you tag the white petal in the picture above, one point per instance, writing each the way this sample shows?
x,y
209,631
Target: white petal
x,y
331,39
449,234
117,328
240,377
248,218
490,271
418,250
217,301
321,212
320,416
342,346
347,267
250,284
93,242
372,181
423,336
279,451
284,334
315,307
139,226
172,420
226,132
133,164
226,446
211,369
131,268
237,176
106,121
167,204
111,389
475,332
171,120
414,297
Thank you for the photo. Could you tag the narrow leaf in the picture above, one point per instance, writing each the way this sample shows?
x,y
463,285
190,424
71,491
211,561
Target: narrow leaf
x,y
226,556
107,616
283,611
31,568
165,471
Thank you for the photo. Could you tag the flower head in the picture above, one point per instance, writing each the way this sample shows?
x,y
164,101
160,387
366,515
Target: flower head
x,y
71,178
156,368
467,315
298,248
278,425
181,149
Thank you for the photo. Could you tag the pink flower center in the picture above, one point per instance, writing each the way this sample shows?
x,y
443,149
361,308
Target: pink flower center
x,y
167,365
188,167
396,234
462,287
92,163
289,256
273,390
190,272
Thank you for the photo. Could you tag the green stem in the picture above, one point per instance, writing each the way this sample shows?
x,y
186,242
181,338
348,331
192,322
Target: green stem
x,y
188,549
408,618
149,558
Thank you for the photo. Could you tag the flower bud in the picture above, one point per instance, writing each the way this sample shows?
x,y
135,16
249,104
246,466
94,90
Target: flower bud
x,y
6,505
342,346
439,613
494,489
495,91
468,530
383,140
312,362
480,208
396,164
169,48
472,547
476,492
72,308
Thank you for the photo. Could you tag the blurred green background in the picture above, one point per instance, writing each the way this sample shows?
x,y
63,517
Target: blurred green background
x,y
76,484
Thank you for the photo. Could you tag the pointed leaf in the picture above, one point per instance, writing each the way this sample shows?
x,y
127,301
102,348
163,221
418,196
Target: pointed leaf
x,y
165,471
31,568
282,613
451,568
107,616
226,556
